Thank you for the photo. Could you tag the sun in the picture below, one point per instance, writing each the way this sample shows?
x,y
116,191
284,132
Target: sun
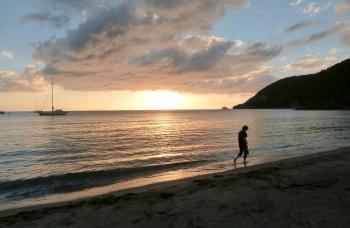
x,y
163,100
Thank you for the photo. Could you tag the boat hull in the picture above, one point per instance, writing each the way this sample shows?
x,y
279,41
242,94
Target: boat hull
x,y
52,113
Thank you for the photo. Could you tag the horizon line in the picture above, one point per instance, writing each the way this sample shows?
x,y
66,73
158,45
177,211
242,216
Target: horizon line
x,y
126,110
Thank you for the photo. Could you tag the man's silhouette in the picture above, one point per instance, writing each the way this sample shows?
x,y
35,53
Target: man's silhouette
x,y
243,144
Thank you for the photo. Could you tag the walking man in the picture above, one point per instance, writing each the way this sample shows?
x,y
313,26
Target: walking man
x,y
243,144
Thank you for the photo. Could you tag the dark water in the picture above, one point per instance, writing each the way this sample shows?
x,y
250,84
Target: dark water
x,y
40,156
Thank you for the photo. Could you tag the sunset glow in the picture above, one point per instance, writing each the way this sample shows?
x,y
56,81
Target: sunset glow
x,y
163,99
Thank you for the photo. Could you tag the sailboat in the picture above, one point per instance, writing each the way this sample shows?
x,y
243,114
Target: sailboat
x,y
53,112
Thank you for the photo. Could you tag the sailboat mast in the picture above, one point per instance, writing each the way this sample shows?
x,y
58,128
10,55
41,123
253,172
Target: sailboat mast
x,y
52,108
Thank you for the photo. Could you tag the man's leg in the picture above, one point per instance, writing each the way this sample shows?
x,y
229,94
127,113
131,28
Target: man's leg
x,y
239,154
245,155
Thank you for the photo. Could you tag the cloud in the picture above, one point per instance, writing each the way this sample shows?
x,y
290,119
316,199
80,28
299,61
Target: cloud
x,y
60,12
333,50
7,55
342,7
239,85
313,37
311,8
342,29
297,26
29,81
153,44
47,18
296,3
308,64
183,61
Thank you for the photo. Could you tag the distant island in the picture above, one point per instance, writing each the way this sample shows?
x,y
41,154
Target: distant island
x,y
326,90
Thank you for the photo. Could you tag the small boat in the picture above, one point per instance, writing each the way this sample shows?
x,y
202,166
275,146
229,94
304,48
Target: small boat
x,y
53,112
2,112
56,112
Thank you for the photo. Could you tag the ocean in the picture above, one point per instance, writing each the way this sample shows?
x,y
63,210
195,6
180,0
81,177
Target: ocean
x,y
53,158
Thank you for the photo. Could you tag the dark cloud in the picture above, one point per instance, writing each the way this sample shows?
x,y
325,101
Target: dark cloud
x,y
297,26
342,29
313,38
113,22
260,52
166,3
47,18
183,61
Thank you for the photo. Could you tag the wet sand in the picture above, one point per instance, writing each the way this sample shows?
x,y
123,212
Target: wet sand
x,y
310,191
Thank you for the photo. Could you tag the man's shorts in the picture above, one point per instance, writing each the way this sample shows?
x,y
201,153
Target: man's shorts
x,y
244,151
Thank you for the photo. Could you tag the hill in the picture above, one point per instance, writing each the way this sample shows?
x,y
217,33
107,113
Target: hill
x,y
328,89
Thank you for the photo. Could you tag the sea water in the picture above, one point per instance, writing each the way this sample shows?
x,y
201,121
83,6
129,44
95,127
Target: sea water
x,y
42,156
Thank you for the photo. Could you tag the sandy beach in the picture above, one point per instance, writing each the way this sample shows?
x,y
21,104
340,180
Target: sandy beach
x,y
309,191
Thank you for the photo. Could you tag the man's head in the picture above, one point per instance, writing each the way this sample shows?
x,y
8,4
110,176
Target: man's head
x,y
245,128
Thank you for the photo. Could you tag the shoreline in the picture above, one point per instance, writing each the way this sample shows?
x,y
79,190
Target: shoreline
x,y
144,181
170,189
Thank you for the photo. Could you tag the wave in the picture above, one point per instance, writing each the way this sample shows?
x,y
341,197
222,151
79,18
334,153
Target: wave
x,y
71,182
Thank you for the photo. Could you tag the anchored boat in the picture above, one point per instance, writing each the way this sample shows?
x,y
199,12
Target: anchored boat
x,y
53,112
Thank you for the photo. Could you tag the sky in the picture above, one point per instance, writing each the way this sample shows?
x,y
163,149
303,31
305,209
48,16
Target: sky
x,y
161,54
